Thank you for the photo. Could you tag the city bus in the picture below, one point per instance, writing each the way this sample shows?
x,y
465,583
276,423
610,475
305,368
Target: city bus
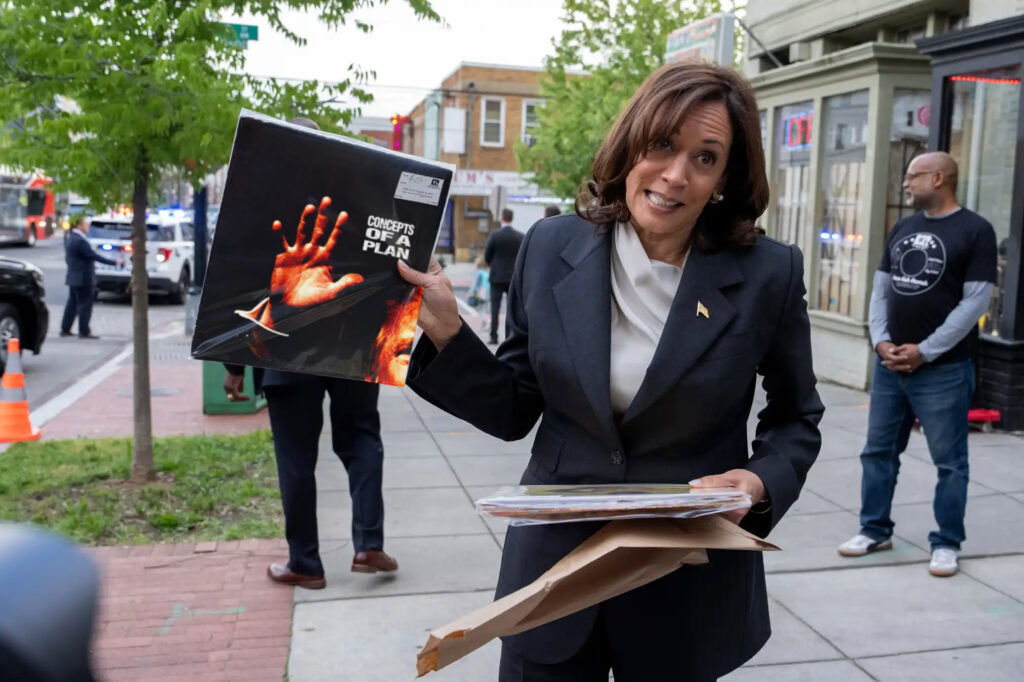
x,y
27,211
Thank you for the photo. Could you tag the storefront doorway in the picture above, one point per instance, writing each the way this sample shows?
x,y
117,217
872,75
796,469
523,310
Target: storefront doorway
x,y
976,77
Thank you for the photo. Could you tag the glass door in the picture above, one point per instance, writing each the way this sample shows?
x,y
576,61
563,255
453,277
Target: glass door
x,y
982,136
793,124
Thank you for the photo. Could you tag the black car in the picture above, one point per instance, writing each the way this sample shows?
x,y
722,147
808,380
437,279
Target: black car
x,y
23,313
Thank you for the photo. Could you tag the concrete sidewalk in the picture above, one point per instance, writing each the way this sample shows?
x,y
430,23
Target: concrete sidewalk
x,y
882,617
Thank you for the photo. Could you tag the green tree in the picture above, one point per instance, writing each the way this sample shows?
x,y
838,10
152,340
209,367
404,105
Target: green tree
x,y
105,96
618,43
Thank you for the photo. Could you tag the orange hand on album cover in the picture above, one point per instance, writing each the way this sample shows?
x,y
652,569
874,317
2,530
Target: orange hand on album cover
x,y
393,349
302,273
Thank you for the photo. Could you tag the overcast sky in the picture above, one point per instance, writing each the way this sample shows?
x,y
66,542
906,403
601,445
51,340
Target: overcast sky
x,y
410,57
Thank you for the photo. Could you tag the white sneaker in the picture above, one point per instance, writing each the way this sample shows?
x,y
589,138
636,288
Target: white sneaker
x,y
859,545
944,562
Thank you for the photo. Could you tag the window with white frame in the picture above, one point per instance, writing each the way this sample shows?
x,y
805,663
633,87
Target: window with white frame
x,y
529,135
492,122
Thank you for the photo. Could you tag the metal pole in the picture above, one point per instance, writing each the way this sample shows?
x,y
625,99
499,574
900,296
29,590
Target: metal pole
x,y
201,237
775,60
199,252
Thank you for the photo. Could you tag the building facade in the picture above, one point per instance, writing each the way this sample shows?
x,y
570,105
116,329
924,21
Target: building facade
x,y
475,119
377,129
848,98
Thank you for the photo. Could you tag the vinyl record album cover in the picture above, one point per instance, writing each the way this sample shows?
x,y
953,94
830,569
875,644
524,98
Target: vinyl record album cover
x,y
303,272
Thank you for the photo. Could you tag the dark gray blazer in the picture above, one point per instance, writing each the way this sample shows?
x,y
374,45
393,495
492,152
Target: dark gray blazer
x,y
500,253
81,260
688,419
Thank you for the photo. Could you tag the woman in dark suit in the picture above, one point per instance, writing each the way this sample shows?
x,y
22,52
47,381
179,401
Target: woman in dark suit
x,y
636,330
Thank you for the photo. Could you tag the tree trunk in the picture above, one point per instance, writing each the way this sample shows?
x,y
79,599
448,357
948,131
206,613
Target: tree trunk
x,y
142,451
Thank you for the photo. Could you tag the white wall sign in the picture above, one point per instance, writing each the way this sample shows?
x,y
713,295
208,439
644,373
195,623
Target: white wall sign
x,y
453,137
710,39
481,183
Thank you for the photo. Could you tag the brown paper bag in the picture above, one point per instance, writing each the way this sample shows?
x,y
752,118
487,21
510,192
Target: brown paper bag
x,y
620,557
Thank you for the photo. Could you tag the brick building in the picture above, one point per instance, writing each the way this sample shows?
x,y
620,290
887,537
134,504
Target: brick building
x,y
475,119
377,128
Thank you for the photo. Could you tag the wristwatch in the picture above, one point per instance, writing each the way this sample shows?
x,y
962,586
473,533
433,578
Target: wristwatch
x,y
762,507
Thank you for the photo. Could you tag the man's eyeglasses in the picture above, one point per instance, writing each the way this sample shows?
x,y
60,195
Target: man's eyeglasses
x,y
910,176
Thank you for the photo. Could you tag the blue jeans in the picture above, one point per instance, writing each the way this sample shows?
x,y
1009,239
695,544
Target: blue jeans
x,y
939,395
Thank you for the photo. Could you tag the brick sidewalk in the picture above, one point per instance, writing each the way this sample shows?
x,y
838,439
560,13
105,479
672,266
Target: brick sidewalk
x,y
177,407
198,612
193,611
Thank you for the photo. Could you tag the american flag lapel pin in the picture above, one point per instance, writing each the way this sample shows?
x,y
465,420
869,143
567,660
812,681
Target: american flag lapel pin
x,y
701,310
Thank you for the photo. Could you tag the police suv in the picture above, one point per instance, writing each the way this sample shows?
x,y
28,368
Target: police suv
x,y
169,252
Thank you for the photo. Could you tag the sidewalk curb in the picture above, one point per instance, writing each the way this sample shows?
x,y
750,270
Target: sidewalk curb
x,y
76,391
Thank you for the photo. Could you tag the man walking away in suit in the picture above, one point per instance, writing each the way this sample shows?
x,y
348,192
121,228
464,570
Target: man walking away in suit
x,y
81,278
295,403
500,254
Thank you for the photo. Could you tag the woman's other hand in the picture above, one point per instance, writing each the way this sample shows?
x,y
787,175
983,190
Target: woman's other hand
x,y
742,480
439,312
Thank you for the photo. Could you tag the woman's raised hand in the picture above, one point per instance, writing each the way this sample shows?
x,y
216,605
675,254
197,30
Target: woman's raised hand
x,y
439,312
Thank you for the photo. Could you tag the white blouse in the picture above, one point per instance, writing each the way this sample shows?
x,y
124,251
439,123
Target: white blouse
x,y
642,294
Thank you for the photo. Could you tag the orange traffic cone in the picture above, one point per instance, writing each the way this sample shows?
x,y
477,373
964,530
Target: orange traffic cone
x,y
14,421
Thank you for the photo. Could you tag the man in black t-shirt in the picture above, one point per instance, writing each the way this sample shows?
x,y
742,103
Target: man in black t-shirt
x,y
934,282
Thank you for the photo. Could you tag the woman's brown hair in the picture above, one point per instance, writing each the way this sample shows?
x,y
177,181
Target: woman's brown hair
x,y
656,111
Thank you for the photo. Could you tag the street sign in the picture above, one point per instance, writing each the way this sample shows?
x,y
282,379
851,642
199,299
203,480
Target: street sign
x,y
709,39
241,34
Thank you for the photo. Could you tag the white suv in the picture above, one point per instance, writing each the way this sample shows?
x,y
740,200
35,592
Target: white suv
x,y
169,253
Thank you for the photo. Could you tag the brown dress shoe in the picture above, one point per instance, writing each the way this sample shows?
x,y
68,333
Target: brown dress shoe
x,y
372,561
280,573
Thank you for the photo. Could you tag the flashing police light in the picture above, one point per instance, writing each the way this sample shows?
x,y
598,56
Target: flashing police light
x,y
396,134
851,239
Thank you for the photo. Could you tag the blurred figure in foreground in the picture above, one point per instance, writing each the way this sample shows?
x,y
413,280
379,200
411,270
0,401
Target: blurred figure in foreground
x,y
47,607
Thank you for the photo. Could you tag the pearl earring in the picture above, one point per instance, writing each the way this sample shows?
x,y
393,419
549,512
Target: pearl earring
x,y
717,197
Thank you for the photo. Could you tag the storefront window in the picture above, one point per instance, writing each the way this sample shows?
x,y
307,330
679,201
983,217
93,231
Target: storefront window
x,y
793,124
982,136
842,183
908,138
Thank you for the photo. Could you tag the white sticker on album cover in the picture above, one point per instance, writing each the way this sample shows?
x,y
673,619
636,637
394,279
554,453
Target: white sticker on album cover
x,y
422,189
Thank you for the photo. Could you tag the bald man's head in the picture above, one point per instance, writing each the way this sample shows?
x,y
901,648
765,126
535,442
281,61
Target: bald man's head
x,y
943,163
931,180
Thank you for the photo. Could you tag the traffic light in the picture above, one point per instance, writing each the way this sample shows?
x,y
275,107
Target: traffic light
x,y
396,137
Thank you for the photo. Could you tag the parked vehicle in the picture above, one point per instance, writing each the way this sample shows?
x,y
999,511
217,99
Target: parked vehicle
x,y
23,312
169,253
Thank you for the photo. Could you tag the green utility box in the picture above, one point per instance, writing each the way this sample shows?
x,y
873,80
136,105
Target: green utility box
x,y
214,399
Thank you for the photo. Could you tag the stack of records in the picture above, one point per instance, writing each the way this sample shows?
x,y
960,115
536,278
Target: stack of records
x,y
532,504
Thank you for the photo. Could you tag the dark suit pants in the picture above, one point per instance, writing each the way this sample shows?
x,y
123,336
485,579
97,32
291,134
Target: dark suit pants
x,y
296,420
591,663
79,303
497,291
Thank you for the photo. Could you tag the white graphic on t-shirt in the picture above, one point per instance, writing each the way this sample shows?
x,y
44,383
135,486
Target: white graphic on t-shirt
x,y
918,262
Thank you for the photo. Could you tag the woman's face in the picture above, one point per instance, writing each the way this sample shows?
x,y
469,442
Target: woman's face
x,y
666,190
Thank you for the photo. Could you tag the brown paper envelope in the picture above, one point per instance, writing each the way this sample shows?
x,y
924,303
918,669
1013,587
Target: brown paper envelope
x,y
622,556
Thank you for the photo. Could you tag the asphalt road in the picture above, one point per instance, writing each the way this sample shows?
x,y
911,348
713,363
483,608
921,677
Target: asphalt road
x,y
64,360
